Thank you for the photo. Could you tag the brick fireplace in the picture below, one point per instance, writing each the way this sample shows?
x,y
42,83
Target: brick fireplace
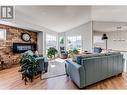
x,y
13,35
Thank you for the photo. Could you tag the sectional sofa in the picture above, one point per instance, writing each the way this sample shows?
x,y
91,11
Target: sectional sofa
x,y
91,68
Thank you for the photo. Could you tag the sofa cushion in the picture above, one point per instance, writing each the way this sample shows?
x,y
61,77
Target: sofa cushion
x,y
97,50
112,53
79,58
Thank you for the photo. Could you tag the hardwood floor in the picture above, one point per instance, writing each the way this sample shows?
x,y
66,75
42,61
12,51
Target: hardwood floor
x,y
11,79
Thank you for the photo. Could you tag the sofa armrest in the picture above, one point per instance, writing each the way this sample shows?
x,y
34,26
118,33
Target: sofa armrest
x,y
40,61
76,72
42,64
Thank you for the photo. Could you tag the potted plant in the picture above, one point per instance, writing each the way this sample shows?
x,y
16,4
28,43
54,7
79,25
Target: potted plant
x,y
70,53
61,40
51,52
28,65
73,52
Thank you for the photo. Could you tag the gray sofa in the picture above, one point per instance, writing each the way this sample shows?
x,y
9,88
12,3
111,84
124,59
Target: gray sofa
x,y
92,68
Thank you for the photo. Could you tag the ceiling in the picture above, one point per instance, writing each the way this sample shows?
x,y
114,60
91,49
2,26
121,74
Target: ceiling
x,y
55,18
63,18
109,13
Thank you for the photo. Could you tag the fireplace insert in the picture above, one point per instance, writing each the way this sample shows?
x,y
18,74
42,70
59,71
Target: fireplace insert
x,y
22,47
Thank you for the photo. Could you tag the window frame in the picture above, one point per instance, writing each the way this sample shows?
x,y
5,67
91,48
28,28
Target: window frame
x,y
5,37
50,37
74,38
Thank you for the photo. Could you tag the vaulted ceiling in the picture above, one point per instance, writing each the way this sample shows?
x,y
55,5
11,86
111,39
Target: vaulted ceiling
x,y
63,18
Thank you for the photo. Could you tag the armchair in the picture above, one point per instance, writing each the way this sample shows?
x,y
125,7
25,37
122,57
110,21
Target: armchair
x,y
64,53
42,66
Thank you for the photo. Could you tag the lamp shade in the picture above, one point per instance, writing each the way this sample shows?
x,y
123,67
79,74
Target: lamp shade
x,y
104,37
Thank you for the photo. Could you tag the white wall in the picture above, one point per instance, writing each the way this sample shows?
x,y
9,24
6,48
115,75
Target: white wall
x,y
85,30
115,45
102,45
40,42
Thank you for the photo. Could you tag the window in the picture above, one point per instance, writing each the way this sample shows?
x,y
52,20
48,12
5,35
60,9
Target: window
x,y
50,41
97,39
2,34
74,42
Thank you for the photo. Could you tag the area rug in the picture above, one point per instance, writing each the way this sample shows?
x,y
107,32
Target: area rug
x,y
56,68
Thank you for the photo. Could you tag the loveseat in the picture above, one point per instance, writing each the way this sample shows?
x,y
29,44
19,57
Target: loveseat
x,y
91,68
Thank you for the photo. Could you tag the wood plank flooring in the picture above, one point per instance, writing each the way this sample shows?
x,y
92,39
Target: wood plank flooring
x,y
11,79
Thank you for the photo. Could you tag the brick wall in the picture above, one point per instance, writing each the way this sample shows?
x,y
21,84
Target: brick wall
x,y
13,35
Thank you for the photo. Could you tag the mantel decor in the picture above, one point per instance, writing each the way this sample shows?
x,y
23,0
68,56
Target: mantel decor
x,y
25,37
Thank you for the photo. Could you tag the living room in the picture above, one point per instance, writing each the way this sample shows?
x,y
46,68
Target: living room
x,y
53,36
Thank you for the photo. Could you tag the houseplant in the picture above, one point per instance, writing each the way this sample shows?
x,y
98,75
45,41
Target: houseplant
x,y
51,52
28,67
73,52
61,40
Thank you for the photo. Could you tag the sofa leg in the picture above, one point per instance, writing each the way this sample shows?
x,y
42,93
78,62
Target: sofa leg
x,y
120,74
25,80
40,77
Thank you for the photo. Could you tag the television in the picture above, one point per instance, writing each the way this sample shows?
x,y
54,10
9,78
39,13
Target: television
x,y
22,47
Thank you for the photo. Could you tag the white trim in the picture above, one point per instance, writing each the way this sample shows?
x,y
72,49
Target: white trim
x,y
5,36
